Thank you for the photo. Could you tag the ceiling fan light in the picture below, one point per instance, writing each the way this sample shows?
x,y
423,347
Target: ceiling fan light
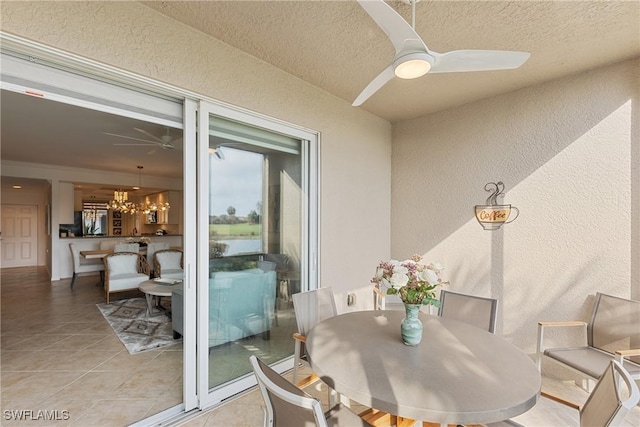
x,y
412,68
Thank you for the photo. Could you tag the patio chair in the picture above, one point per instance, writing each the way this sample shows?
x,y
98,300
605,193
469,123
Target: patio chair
x,y
82,266
124,271
311,308
382,301
477,311
287,405
605,406
168,264
611,333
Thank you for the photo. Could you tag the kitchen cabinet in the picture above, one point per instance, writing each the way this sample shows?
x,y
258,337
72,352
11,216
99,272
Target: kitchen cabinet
x,y
169,216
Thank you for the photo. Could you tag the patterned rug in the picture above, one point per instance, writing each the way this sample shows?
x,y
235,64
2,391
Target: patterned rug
x,y
128,319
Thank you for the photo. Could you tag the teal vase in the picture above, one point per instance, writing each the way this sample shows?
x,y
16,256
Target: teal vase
x,y
411,326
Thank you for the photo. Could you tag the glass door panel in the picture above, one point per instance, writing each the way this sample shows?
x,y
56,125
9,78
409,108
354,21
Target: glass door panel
x,y
258,247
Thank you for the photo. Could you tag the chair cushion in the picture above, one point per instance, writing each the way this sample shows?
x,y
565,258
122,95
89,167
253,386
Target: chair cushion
x,y
173,274
169,260
121,282
589,360
86,268
122,264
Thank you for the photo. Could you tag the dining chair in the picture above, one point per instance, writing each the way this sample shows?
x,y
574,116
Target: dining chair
x,y
168,263
613,397
126,247
107,245
382,301
152,248
288,405
477,311
311,308
82,266
124,271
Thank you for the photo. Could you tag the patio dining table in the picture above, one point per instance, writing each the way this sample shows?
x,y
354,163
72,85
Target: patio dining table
x,y
458,374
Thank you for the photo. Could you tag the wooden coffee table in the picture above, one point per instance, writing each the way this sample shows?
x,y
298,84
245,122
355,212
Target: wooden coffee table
x,y
154,290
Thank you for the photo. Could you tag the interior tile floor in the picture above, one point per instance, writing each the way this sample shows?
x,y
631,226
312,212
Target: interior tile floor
x,y
57,353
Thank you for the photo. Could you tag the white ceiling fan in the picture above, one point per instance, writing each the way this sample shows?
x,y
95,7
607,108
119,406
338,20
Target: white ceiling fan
x,y
166,142
413,59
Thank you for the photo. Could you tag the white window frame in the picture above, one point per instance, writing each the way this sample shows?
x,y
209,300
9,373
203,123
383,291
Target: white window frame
x,y
309,272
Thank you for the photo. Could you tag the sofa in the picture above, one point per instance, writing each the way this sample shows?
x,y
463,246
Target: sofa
x,y
241,304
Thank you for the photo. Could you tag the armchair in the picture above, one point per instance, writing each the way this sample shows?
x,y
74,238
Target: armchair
x,y
168,264
611,333
124,271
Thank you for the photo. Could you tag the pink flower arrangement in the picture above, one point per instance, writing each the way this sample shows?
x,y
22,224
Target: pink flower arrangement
x,y
413,282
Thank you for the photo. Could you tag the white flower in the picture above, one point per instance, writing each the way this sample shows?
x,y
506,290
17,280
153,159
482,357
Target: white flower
x,y
399,279
429,276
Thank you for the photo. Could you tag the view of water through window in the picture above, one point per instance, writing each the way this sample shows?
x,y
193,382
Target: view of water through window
x,y
236,200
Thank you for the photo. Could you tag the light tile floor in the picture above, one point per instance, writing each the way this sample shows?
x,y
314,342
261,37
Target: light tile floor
x,y
57,353
246,410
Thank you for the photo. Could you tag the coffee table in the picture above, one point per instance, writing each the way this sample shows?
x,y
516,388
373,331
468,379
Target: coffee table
x,y
156,289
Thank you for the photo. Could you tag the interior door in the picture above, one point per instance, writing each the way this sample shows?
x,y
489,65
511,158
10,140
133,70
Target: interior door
x,y
19,236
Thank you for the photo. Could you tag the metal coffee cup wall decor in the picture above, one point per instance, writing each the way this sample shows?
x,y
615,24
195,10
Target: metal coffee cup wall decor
x,y
492,215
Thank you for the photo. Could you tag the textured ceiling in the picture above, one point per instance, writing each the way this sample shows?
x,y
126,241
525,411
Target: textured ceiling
x,y
336,46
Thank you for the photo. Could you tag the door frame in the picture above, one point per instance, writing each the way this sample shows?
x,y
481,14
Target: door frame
x,y
195,385
309,273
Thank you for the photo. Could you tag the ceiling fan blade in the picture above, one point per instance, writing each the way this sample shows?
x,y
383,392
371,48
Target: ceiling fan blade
x,y
130,137
382,79
477,60
399,31
155,138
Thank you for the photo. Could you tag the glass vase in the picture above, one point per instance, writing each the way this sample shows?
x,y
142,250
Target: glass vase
x,y
411,326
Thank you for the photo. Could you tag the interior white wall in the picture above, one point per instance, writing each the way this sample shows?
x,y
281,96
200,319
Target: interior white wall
x,y
355,145
568,152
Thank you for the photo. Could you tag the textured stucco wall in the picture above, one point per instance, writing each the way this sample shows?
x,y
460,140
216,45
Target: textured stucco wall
x,y
130,36
568,153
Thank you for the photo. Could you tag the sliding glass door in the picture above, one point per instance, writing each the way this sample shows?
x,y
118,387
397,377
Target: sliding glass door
x,y
258,243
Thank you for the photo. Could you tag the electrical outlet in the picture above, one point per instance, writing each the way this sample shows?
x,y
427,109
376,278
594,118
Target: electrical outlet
x,y
351,299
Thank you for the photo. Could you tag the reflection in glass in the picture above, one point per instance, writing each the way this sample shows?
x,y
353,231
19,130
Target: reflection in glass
x,y
255,246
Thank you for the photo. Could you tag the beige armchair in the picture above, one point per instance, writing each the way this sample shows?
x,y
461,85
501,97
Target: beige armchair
x,y
168,264
152,248
124,271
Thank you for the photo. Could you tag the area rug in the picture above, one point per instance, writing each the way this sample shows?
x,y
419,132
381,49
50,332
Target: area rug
x,y
128,319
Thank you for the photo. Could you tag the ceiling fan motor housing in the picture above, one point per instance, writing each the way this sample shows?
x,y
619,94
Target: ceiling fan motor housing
x,y
412,65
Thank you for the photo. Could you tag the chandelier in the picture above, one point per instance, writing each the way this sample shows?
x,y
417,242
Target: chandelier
x,y
122,203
